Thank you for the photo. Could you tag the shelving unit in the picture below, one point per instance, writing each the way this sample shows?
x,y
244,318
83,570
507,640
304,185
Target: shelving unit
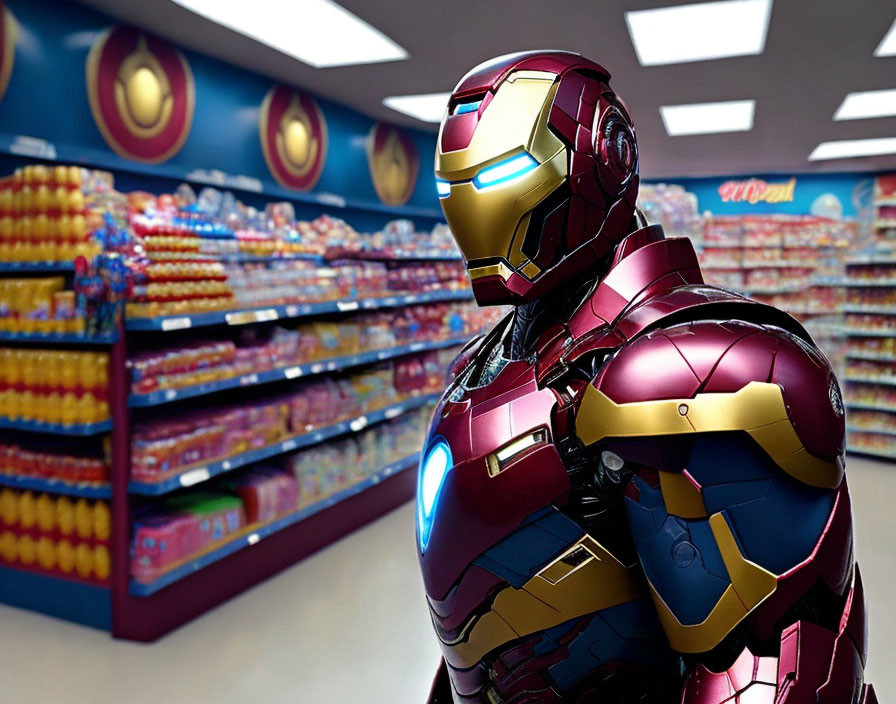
x,y
870,313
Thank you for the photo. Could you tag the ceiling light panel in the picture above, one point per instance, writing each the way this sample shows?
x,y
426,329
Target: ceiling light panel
x,y
318,32
870,103
428,107
850,148
708,118
887,46
699,32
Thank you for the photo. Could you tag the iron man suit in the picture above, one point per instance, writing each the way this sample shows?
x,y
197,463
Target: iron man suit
x,y
632,489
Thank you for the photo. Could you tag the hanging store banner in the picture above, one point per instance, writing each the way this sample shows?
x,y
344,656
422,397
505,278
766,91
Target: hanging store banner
x,y
8,32
293,134
394,163
756,190
141,93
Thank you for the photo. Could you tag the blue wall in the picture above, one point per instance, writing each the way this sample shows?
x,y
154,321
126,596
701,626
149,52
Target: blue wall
x,y
47,98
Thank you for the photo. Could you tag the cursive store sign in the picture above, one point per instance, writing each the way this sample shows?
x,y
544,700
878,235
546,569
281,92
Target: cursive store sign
x,y
755,190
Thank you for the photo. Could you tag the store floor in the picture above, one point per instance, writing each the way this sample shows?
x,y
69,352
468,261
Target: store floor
x,y
346,626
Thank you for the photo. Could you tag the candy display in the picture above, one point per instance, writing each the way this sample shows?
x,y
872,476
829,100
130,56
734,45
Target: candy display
x,y
43,215
256,351
39,305
169,533
164,447
54,386
69,537
399,239
20,460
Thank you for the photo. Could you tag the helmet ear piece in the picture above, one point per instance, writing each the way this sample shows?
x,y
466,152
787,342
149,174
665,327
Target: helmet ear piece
x,y
615,148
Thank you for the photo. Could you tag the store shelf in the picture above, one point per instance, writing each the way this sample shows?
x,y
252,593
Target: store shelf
x,y
866,259
105,159
291,311
35,267
72,600
859,406
872,283
294,371
883,380
870,332
771,290
32,426
52,339
404,257
861,308
877,431
254,534
778,265
875,452
871,356
56,486
828,281
197,475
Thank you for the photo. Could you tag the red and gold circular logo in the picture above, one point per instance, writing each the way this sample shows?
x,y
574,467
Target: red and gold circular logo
x,y
7,45
394,163
293,136
141,94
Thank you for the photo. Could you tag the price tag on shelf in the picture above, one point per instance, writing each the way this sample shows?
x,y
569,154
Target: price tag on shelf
x,y
331,366
292,311
317,368
292,372
170,394
176,323
288,445
253,538
393,412
251,316
382,355
226,464
345,306
410,299
417,346
194,476
358,423
248,379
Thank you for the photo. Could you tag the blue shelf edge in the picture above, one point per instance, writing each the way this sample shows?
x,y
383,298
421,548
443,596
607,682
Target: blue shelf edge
x,y
245,541
56,486
51,339
197,475
35,267
294,371
86,604
32,426
264,314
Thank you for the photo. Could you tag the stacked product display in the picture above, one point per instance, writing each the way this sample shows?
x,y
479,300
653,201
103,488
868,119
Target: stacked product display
x,y
234,373
871,328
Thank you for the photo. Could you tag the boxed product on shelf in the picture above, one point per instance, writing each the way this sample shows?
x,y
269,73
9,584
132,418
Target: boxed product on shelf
x,y
266,492
57,534
18,459
39,305
180,527
54,386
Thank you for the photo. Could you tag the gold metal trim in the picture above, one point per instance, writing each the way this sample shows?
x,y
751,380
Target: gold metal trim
x,y
501,269
518,446
682,498
11,31
598,583
758,409
750,585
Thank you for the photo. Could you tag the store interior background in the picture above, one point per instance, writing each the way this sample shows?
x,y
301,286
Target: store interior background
x,y
814,237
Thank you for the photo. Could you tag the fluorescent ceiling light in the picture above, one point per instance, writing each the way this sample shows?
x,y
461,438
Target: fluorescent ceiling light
x,y
318,32
708,118
698,32
428,107
870,103
847,148
887,46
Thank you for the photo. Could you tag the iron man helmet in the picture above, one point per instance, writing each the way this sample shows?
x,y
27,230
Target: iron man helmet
x,y
537,171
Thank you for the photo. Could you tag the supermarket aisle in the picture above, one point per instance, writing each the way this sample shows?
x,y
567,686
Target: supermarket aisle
x,y
346,626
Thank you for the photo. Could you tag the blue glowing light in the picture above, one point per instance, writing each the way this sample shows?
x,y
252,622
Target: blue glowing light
x,y
443,188
467,107
434,465
504,171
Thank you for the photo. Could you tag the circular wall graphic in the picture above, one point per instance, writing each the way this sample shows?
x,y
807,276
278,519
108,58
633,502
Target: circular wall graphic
x,y
8,32
141,94
394,163
293,136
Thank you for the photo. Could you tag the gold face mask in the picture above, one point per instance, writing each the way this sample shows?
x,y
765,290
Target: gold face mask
x,y
512,163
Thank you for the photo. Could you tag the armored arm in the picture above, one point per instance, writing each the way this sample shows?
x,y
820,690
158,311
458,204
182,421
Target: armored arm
x,y
733,434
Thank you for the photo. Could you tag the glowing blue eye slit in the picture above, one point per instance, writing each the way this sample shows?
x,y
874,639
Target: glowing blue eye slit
x,y
443,188
434,465
462,108
504,171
